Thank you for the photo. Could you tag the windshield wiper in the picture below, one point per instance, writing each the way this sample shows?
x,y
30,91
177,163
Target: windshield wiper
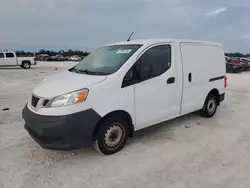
x,y
79,71
87,72
74,70
82,71
93,73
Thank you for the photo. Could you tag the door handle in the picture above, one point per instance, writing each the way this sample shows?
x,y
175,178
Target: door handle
x,y
171,80
190,77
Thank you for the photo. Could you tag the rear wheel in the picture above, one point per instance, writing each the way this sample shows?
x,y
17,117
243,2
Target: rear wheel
x,y
25,65
210,106
111,136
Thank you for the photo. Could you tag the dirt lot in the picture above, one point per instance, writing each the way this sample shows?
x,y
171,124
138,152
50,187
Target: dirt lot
x,y
187,152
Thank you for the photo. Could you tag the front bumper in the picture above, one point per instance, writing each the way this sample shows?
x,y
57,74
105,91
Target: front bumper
x,y
67,132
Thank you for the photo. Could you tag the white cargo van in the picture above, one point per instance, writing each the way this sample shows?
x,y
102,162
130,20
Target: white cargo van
x,y
123,87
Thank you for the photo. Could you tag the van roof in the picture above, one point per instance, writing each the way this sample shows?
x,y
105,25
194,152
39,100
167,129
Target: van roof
x,y
155,41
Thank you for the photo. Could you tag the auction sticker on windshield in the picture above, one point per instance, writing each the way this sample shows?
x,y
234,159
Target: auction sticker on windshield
x,y
124,51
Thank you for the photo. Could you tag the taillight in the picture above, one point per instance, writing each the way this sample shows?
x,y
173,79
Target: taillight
x,y
225,82
35,59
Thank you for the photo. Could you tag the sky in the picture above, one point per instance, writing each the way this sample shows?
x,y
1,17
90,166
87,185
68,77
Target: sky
x,y
88,24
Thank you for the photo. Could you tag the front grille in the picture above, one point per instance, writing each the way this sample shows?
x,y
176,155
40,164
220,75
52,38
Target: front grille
x,y
34,101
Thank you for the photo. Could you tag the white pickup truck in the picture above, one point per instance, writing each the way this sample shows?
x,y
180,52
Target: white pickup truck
x,y
8,58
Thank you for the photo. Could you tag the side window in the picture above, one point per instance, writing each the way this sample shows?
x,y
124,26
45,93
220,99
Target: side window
x,y
9,55
155,61
132,77
152,63
1,55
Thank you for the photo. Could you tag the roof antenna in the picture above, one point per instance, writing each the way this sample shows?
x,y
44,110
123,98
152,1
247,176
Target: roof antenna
x,y
130,36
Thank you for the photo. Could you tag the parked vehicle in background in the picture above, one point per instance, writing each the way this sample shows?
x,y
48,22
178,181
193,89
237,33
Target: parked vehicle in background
x,y
75,58
237,62
43,57
227,58
246,61
57,57
67,58
124,87
9,58
233,68
82,57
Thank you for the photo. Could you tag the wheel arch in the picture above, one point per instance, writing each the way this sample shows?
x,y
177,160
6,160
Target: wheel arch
x,y
216,93
120,113
26,61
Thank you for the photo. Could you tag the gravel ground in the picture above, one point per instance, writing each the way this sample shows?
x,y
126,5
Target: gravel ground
x,y
186,152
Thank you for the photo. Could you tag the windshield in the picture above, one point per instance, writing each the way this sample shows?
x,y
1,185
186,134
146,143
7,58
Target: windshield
x,y
106,60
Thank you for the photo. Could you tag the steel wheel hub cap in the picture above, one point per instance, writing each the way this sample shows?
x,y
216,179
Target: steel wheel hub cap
x,y
113,136
211,106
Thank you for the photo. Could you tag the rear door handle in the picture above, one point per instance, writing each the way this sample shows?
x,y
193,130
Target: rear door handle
x,y
190,77
171,80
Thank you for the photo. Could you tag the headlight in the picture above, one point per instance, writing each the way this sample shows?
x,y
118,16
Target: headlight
x,y
69,98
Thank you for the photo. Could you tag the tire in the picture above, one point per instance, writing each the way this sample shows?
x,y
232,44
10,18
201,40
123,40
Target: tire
x,y
113,126
25,65
210,106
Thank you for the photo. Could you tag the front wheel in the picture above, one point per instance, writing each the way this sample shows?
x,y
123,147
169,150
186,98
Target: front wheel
x,y
210,106
111,136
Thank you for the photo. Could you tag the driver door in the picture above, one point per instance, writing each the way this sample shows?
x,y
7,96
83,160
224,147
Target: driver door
x,y
156,82
154,95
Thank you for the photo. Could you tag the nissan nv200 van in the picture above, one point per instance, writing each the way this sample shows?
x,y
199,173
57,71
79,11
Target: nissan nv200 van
x,y
124,87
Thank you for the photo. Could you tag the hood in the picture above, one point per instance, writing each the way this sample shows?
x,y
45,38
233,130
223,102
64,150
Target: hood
x,y
65,82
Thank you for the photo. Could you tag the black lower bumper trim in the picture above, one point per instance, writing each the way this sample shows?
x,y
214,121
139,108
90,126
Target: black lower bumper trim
x,y
67,132
222,97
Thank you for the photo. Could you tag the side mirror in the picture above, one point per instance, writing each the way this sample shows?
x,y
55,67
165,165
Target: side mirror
x,y
146,72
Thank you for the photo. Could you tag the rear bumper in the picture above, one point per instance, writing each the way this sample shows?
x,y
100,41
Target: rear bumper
x,y
222,97
67,132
